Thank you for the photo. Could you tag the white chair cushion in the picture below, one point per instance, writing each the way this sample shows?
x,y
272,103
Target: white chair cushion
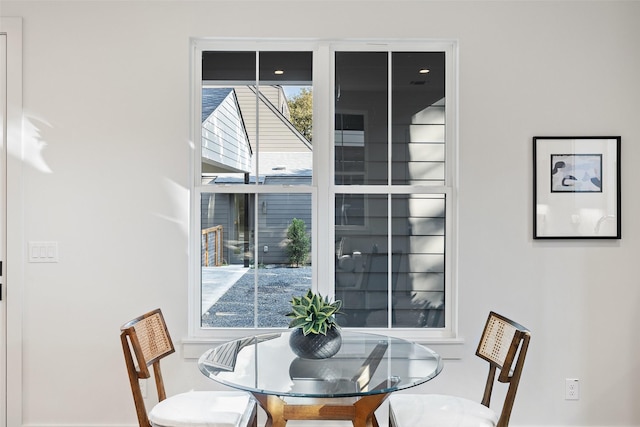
x,y
203,409
435,410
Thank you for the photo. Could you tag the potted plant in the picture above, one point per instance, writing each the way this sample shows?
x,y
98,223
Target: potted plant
x,y
316,333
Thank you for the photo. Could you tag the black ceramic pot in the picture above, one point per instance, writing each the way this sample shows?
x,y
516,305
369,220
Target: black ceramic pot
x,y
315,346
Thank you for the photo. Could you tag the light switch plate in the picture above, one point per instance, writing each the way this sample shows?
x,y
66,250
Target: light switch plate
x,y
43,251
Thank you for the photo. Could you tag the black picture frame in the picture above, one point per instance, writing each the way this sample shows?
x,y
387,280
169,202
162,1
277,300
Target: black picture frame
x,y
576,187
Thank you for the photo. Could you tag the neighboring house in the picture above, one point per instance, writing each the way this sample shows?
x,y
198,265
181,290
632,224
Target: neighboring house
x,y
229,147
225,142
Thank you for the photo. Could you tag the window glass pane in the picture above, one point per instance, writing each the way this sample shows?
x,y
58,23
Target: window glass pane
x,y
418,228
418,118
226,222
284,132
226,148
255,130
286,68
284,152
237,230
361,264
361,105
229,66
236,306
350,208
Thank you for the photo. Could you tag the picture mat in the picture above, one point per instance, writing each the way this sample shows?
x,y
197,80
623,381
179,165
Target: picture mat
x,y
576,214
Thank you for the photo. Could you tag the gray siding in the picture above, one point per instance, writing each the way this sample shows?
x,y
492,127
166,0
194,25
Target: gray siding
x,y
417,265
274,219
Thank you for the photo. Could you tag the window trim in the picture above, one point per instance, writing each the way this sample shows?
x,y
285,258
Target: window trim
x,y
323,266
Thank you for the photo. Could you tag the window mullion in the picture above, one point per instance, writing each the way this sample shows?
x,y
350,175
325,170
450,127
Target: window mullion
x,y
390,271
256,237
323,150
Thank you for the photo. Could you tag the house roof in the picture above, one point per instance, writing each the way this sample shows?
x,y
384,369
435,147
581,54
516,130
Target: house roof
x,y
211,99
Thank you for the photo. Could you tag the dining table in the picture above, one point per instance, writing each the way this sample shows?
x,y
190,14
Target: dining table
x,y
350,385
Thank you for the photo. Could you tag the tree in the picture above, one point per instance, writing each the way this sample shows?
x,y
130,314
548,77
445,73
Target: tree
x,y
299,243
300,110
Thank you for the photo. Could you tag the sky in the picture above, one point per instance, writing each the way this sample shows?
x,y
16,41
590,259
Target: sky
x,y
292,91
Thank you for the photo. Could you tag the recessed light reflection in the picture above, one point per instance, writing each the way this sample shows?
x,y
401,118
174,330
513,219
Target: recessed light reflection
x,y
424,71
278,72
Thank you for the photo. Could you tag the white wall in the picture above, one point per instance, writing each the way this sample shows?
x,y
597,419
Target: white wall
x,y
106,89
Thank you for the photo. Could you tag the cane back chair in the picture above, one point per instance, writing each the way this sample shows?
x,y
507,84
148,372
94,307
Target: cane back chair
x,y
504,345
145,341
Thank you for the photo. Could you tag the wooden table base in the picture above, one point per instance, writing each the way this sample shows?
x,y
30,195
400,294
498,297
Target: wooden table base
x,y
360,412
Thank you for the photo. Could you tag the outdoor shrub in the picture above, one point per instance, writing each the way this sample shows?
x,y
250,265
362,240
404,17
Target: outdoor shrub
x,y
299,243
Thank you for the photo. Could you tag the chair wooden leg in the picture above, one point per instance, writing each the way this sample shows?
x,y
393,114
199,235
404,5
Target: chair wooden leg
x,y
254,418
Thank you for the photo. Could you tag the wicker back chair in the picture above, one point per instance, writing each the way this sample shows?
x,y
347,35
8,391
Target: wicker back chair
x,y
145,341
503,345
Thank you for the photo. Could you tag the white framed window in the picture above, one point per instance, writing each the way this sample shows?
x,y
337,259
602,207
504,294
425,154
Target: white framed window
x,y
373,183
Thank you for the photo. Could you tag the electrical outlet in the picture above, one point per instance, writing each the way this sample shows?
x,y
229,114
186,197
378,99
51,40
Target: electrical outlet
x,y
572,389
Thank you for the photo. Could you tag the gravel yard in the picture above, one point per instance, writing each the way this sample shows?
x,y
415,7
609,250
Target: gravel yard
x,y
276,286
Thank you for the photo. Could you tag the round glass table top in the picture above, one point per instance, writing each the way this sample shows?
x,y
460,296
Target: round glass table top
x,y
366,364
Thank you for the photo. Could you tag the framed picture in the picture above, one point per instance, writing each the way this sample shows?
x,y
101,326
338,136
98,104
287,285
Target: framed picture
x,y
576,187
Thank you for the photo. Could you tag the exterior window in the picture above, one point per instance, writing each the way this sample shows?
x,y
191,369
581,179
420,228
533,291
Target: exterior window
x,y
250,144
353,198
391,247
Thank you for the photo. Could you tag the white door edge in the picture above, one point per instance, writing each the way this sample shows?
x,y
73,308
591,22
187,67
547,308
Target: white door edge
x,y
13,278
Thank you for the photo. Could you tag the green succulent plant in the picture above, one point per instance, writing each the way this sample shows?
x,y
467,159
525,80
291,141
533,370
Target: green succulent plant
x,y
313,313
